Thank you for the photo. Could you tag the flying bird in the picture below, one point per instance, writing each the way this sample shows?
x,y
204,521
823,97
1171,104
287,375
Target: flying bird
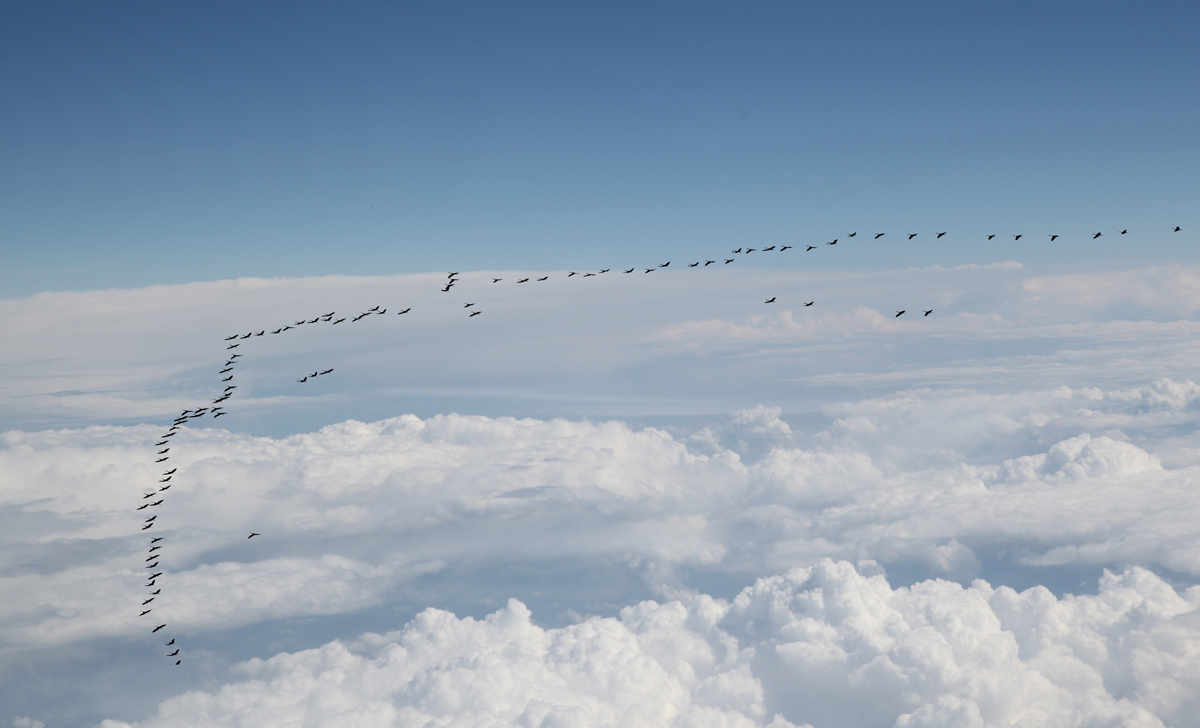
x,y
589,275
929,312
770,300
810,303
650,270
373,309
912,235
852,234
302,381
1177,228
630,270
178,661
157,628
497,280
228,378
344,318
750,250
400,313
260,333
811,247
171,642
252,535
226,370
147,601
1053,238
606,270
1124,231
475,314
1016,237
899,314
738,250
327,371
219,414
143,614
144,505
543,278
693,265
770,248
162,460
231,338
159,538
523,280
171,471
468,305
247,336
147,526
991,236
151,518
879,235
832,243
727,261
664,265
172,654
233,346
165,487
786,247
572,273
1095,236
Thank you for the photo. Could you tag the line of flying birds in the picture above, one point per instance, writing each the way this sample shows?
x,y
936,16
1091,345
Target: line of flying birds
x,y
217,410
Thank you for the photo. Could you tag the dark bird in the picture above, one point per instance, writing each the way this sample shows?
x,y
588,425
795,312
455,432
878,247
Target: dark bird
x,y
151,583
276,331
164,480
377,307
912,235
327,371
343,319
298,323
231,386
247,336
786,247
159,538
381,312
1124,231
770,248
630,270
315,374
708,263
727,262
475,314
147,526
172,654
664,265
738,250
285,328
606,270
315,320
991,236
171,471
497,280
157,503
446,288
468,305
157,628
940,234
226,370
162,460
650,270
302,381
219,414
151,518
171,642
899,314
155,576
228,378
929,312
231,338
143,614
852,234
811,247
165,487
810,303
750,250
1095,236
879,235
693,265
770,300
153,566
523,280
178,661
233,346
543,278
1177,228
260,333
252,535
451,275
145,505
1016,237
148,495
1053,238
401,313
572,273
589,275
832,243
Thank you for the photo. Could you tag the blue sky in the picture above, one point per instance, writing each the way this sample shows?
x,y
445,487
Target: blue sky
x,y
162,143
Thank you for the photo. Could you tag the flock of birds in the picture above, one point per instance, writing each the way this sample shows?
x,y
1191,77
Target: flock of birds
x,y
157,496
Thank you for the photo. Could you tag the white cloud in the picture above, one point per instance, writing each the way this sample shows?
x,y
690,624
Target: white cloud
x,y
825,645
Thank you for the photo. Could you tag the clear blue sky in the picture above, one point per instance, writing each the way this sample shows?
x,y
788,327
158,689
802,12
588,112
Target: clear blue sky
x,y
146,143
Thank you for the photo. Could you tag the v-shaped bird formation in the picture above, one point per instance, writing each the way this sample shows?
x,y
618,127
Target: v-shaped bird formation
x,y
156,496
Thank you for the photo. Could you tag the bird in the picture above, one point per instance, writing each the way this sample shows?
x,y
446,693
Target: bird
x,y
446,288
233,346
285,328
178,661
1095,236
302,381
226,370
153,566
171,642
834,242
343,319
572,273
376,308
231,386
929,312
771,299
164,480
147,526
247,336
940,234
157,539
475,314
171,471
148,495
1016,237
912,235
786,247
1124,231
219,414
327,371
276,331
810,303
1177,228
143,614
899,314
144,505
523,280
811,247
605,270
162,460
151,518
1053,238
172,654
260,333
231,338
879,235
298,323
468,305
770,248
451,275
664,265
315,320
252,535
708,263
400,313
155,576
589,275
650,270
543,278
738,250
630,270
497,280
728,261
750,250
991,236
157,503
151,583
228,378
852,234
381,312
693,265
165,487
157,628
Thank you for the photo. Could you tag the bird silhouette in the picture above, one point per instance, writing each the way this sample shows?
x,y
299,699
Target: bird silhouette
x,y
143,614
879,235
162,460
302,381
811,247
228,378
631,270
1177,229
737,251
708,263
475,314
147,526
1095,236
834,242
912,235
523,280
770,300
852,234
159,538
231,338
664,265
1053,238
252,535
171,471
404,311
767,249
171,642
219,414
468,305
929,312
810,303
172,654
497,280
693,265
940,234
991,236
157,628
899,314
786,247
1016,237
572,273
327,371
543,278
606,270
729,260
650,270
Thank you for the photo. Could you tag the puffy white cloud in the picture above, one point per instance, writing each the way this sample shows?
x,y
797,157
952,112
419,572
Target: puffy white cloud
x,y
825,645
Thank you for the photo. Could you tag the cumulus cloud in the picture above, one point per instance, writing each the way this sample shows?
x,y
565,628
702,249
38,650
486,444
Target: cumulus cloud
x,y
827,645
